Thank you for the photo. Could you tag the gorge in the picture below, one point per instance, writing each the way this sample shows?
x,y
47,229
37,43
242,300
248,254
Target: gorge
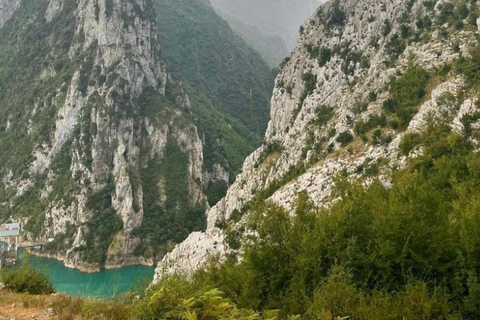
x,y
342,185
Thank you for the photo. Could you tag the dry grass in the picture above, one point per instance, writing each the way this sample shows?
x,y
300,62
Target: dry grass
x,y
24,306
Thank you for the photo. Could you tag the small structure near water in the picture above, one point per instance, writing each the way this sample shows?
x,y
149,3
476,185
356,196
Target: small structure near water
x,y
9,241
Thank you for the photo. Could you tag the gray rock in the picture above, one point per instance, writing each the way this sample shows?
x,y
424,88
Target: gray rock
x,y
292,127
7,9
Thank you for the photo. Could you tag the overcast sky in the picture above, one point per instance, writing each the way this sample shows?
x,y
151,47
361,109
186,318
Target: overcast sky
x,y
281,18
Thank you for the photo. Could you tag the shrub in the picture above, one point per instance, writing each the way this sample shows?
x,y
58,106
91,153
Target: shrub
x,y
408,143
324,56
178,298
387,28
109,8
337,15
344,138
470,67
323,114
26,279
310,81
269,148
395,47
406,93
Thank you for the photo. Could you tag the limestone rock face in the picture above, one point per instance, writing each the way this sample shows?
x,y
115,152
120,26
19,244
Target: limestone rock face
x,y
343,61
204,244
7,9
110,123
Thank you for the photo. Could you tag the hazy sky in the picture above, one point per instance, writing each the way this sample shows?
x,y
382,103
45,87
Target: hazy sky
x,y
272,17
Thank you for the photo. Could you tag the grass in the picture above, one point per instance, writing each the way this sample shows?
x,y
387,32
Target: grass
x,y
24,306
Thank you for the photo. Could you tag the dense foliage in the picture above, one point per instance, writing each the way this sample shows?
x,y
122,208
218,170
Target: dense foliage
x,y
26,279
29,103
99,230
406,93
410,251
173,221
228,83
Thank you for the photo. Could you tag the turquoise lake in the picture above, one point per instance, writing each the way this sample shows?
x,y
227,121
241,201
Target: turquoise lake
x,y
103,284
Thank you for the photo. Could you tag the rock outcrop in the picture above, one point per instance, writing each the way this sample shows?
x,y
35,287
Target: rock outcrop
x,y
336,81
108,129
7,9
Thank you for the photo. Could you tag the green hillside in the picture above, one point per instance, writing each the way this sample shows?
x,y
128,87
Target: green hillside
x,y
229,84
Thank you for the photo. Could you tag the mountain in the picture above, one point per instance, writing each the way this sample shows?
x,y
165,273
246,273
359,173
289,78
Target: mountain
x,y
110,153
116,119
202,51
7,9
271,47
281,18
362,96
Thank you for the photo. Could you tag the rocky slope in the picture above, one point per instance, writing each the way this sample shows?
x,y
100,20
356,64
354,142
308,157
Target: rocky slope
x,y
101,153
271,27
100,137
364,75
7,9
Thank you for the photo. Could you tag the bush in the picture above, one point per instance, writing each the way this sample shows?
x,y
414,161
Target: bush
x,y
324,56
408,143
310,81
177,298
323,114
387,28
337,16
26,279
109,8
344,138
470,67
407,92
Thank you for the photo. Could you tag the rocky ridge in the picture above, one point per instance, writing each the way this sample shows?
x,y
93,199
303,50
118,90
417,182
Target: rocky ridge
x,y
337,80
7,9
110,123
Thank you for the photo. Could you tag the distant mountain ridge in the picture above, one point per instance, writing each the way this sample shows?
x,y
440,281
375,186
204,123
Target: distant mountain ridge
x,y
272,17
271,47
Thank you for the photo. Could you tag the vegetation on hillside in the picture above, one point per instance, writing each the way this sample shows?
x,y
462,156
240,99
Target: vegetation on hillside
x,y
23,55
173,221
409,251
26,279
228,83
406,93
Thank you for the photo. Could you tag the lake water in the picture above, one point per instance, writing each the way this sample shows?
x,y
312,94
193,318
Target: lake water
x,y
103,284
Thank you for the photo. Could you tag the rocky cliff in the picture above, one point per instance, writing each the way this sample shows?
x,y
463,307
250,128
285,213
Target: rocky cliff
x,y
101,154
7,9
365,75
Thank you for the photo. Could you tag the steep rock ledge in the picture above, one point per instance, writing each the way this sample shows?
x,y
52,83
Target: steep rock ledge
x,y
106,127
336,79
7,9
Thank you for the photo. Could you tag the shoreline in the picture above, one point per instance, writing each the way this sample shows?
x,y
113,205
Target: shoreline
x,y
92,269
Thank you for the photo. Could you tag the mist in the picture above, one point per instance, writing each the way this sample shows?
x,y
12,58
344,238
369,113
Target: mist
x,y
281,18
